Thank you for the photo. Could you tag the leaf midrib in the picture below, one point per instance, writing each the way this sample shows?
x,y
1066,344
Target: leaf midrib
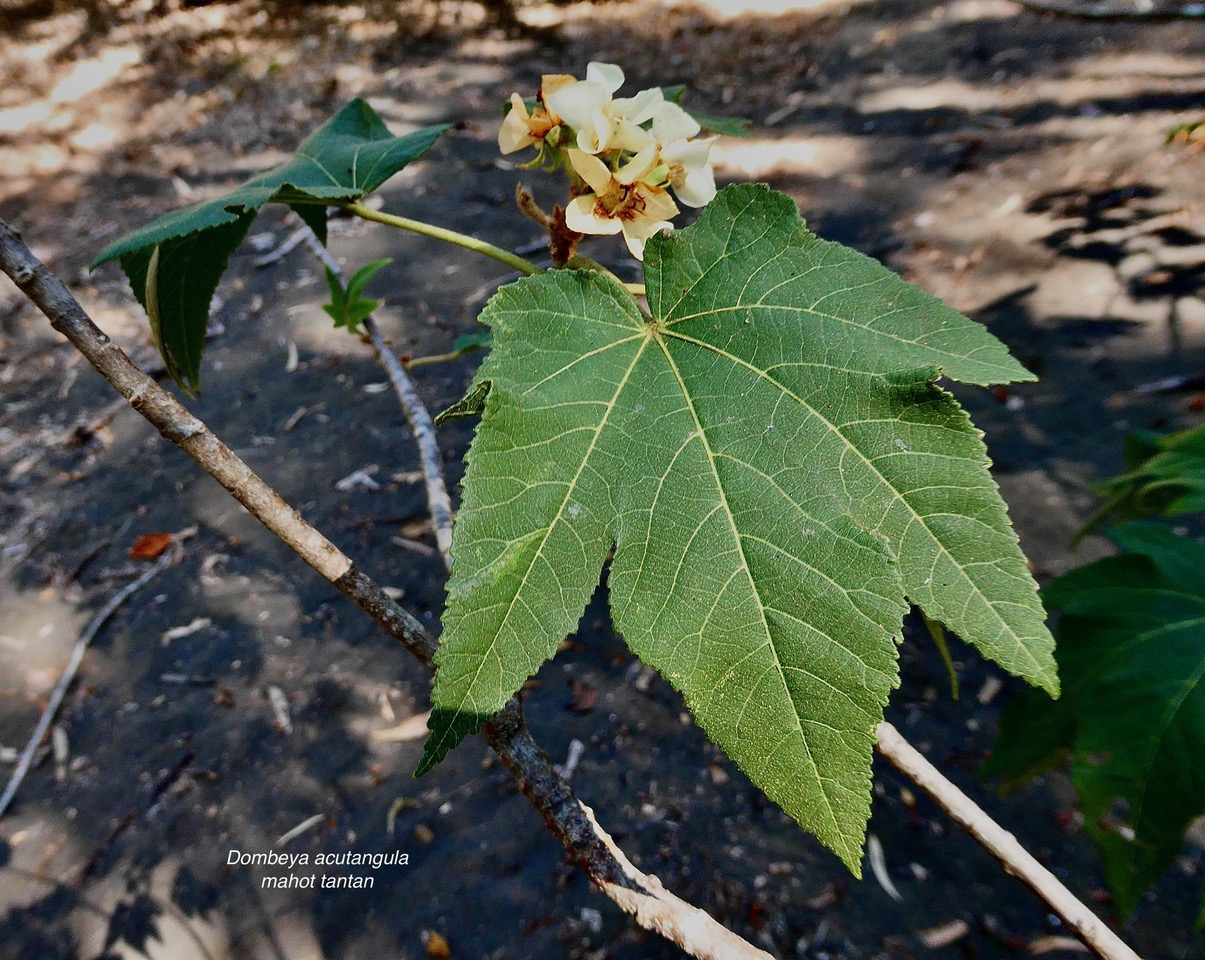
x,y
761,607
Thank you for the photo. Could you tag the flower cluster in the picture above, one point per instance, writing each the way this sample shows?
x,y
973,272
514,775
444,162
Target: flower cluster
x,y
624,154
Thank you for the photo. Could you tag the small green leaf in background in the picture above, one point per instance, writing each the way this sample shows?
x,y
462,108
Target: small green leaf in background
x,y
937,633
778,472
1165,477
347,307
1183,133
1131,654
346,159
725,126
470,406
468,342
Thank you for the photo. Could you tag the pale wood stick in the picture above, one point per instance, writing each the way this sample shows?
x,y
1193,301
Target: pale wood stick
x,y
1001,844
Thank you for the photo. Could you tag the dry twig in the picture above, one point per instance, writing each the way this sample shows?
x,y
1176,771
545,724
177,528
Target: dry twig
x,y
1149,11
1001,844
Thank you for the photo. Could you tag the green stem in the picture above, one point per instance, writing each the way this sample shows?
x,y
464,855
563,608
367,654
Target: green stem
x,y
581,262
438,358
441,233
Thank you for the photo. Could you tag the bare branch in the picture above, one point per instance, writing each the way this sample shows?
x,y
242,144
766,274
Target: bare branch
x,y
1001,844
438,502
77,657
567,817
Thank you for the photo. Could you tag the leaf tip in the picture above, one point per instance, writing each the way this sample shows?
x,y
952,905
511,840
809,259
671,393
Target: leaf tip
x,y
1049,681
448,728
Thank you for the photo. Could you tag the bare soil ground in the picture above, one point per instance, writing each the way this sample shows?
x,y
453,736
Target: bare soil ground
x,y
1012,164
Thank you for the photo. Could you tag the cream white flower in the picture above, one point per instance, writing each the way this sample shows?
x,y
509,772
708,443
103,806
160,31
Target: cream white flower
x,y
689,172
622,200
672,123
602,122
523,129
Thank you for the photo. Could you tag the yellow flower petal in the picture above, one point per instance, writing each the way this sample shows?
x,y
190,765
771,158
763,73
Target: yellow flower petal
x,y
577,103
515,134
673,123
658,204
607,75
637,232
550,83
591,169
641,165
642,107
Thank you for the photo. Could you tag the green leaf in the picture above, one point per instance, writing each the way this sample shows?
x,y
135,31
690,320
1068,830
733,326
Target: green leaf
x,y
360,311
777,471
468,342
725,126
1132,715
347,308
471,405
338,294
1184,133
359,279
346,159
937,633
1166,477
187,271
468,407
314,217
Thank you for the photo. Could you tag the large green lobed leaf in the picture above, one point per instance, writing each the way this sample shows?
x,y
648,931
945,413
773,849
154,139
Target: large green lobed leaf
x,y
347,158
777,472
1132,714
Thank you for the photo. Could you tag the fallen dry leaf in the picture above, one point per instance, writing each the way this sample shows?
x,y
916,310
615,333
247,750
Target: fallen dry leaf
x,y
1050,944
437,945
829,895
150,545
584,697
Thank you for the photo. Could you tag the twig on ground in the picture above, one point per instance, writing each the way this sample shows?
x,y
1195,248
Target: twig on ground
x,y
566,816
1147,10
290,243
1190,381
415,411
77,656
1001,844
